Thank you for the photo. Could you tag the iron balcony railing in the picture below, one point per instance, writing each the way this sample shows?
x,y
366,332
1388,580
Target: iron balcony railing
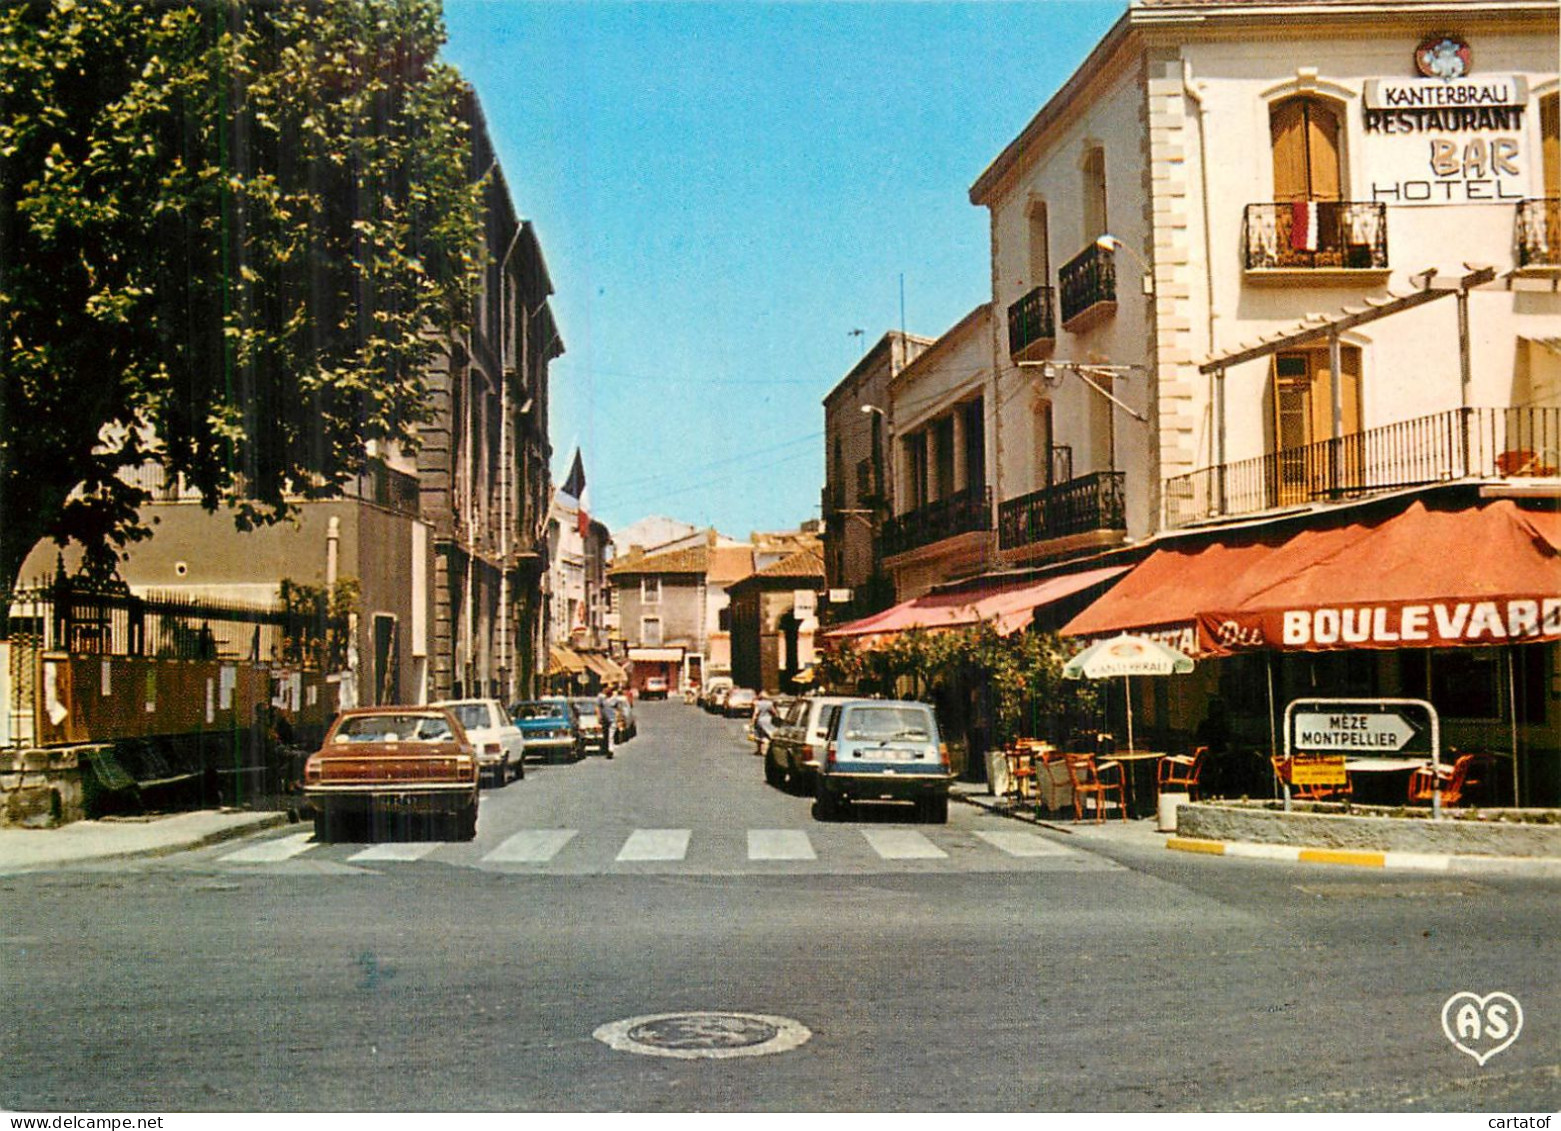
x,y
1310,234
1539,233
959,513
1463,443
1030,321
1086,281
1079,506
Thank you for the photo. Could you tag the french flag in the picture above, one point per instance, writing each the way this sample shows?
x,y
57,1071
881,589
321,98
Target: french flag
x,y
1303,225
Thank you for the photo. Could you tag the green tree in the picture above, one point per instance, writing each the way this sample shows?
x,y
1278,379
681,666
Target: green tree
x,y
230,235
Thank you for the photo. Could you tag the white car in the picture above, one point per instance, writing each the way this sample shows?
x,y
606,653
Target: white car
x,y
500,745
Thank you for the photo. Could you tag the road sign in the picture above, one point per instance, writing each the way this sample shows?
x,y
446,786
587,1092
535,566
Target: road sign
x,y
1365,732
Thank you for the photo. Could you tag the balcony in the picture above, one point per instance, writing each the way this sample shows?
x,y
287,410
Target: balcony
x,y
1030,324
1539,233
960,513
1088,283
1317,235
1464,443
1079,506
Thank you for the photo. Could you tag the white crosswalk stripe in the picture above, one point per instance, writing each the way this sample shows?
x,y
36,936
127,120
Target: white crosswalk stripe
x,y
530,846
272,851
780,844
903,844
655,844
1024,844
410,850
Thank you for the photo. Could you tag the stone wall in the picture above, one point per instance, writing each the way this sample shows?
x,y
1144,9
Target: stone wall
x,y
41,788
1264,825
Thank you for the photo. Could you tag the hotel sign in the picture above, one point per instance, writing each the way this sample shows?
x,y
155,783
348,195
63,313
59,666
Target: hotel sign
x,y
1451,138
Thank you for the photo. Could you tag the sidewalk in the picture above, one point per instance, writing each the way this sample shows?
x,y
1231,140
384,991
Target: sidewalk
x,y
1143,834
31,850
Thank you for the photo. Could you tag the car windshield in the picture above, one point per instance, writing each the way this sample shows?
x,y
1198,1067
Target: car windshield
x,y
540,711
472,715
394,728
884,724
586,706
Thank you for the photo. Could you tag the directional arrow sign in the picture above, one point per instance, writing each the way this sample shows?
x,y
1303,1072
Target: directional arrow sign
x,y
1366,732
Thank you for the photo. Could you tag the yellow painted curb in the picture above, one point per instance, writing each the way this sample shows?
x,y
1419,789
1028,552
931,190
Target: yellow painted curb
x,y
1343,856
1183,844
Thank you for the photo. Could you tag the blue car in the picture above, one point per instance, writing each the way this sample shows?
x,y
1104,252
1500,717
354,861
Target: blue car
x,y
884,750
549,729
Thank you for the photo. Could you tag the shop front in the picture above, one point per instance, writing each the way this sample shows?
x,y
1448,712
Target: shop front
x,y
1447,595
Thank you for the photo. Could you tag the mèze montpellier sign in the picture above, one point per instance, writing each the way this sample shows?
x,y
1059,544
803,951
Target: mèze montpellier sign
x,y
1366,732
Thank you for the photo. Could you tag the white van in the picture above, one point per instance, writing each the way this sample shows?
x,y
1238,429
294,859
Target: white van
x,y
800,734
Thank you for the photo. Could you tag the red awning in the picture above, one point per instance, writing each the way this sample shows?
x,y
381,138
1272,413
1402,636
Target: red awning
x,y
1009,607
1423,578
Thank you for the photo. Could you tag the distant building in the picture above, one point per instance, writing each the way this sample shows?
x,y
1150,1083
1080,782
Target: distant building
x,y
774,614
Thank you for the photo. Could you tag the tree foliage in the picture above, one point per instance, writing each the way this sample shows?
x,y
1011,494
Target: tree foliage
x,y
1022,674
229,234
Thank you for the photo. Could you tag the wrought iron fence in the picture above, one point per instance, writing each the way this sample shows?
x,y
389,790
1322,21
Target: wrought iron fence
x,y
1538,233
1464,443
959,513
1030,321
1316,233
1086,280
1089,503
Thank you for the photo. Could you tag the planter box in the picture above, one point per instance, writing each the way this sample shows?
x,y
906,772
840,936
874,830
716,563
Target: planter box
x,y
1265,823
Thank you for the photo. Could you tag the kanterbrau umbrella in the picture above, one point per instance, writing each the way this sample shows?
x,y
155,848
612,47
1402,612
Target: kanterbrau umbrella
x,y
1127,656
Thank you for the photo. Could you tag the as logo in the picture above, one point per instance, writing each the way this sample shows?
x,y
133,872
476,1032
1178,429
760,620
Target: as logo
x,y
1482,1026
1443,57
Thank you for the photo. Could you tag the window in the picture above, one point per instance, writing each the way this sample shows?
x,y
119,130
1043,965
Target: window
x,y
916,462
1550,143
1462,683
1305,133
943,446
864,479
650,590
1040,253
1303,415
975,444
1095,216
650,631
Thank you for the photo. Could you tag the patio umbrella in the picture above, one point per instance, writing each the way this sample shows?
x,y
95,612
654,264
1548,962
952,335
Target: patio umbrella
x,y
1126,656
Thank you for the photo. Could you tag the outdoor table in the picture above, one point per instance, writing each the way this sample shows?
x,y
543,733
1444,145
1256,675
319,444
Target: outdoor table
x,y
1382,780
1133,763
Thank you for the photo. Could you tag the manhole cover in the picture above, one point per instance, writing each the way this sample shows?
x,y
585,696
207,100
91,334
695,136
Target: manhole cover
x,y
693,1036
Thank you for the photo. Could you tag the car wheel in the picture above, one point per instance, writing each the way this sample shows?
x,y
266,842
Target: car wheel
x,y
772,774
501,778
520,769
466,823
826,804
324,827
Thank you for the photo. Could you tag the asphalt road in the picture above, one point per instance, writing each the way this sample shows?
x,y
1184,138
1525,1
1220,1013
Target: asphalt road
x,y
935,967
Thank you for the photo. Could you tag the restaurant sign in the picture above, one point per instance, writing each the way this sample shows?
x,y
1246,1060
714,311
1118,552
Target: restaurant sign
x,y
1430,624
1446,136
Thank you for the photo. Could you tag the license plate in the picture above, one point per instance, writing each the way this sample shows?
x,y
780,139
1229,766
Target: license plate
x,y
397,801
896,755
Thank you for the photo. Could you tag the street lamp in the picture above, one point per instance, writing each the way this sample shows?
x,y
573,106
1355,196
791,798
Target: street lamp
x,y
1107,242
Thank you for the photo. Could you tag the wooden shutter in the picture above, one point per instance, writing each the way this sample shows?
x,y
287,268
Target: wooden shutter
x,y
1550,142
1322,150
1305,138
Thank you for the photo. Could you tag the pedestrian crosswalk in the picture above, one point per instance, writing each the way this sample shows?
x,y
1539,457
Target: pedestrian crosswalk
x,y
607,849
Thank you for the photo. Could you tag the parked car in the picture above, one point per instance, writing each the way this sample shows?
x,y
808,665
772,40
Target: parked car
x,y
590,729
716,705
547,729
655,687
382,763
715,686
501,748
884,750
739,703
801,732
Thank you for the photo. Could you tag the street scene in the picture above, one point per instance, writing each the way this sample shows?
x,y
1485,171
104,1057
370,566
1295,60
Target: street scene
x,y
574,557
987,964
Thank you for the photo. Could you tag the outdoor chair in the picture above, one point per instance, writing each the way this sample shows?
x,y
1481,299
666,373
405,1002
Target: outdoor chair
x,y
1470,773
1097,780
1180,772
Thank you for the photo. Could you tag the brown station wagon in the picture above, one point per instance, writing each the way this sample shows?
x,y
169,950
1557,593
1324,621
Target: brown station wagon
x,y
386,762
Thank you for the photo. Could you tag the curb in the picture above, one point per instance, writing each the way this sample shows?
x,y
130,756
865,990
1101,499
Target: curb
x,y
1366,858
260,821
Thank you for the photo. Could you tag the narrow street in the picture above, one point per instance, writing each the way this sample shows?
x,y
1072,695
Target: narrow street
x,y
979,965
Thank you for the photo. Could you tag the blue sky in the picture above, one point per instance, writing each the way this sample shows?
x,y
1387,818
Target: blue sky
x,y
724,192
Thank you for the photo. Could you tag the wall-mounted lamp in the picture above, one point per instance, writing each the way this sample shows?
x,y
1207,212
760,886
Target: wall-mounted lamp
x,y
1107,242
868,408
